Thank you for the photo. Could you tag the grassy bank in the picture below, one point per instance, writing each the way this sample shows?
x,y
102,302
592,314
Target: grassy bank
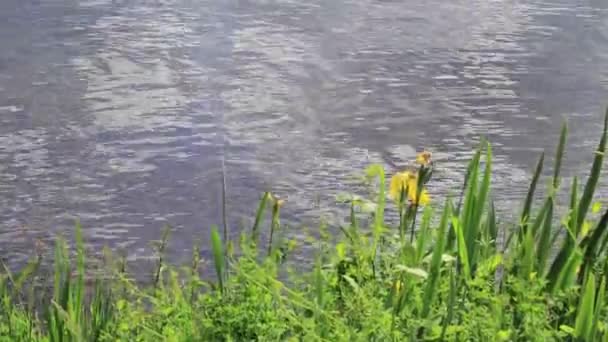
x,y
457,273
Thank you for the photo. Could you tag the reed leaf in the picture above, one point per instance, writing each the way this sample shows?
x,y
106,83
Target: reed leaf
x,y
530,196
259,217
594,177
218,257
543,246
559,155
583,327
434,271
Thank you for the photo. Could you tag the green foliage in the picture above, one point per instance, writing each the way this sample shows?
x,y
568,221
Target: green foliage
x,y
455,279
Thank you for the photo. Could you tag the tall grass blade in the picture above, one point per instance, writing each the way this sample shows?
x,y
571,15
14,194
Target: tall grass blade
x,y
438,250
376,170
218,257
450,306
569,239
318,276
25,274
423,233
583,327
599,306
590,243
78,292
467,229
492,226
274,224
463,256
479,208
567,273
594,177
543,247
485,186
473,164
559,155
259,217
530,196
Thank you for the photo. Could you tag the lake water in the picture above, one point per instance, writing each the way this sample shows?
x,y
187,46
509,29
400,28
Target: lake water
x,y
120,112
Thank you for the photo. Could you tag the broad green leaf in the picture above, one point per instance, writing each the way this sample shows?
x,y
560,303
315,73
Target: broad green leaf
x,y
594,177
584,315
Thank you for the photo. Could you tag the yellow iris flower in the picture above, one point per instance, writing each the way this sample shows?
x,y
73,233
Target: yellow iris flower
x,y
424,158
407,180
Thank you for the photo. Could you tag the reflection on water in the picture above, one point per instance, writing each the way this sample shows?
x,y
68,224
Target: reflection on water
x,y
121,112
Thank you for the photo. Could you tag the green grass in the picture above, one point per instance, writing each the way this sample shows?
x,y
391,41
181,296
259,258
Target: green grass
x,y
461,274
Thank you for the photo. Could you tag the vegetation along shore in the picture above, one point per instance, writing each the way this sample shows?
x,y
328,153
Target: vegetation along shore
x,y
450,270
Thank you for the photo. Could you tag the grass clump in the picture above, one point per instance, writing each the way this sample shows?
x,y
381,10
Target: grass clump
x,y
450,273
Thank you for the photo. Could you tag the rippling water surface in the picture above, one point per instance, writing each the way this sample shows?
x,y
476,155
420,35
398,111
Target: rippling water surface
x,y
120,112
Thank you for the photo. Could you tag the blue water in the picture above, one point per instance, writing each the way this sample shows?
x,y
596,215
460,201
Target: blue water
x,y
121,112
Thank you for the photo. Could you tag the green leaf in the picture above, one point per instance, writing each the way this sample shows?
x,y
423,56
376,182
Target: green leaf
x,y
569,240
479,208
599,306
596,207
567,273
462,248
594,177
467,226
440,245
543,247
418,272
584,315
352,283
377,170
525,215
591,242
450,306
567,329
259,217
559,155
491,224
423,233
218,256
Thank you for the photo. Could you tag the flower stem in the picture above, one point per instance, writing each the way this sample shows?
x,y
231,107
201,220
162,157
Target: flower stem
x,y
415,208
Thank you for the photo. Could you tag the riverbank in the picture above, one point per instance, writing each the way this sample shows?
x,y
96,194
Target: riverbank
x,y
459,273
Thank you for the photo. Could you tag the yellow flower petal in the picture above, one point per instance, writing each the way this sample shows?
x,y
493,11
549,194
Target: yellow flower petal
x,y
424,158
398,184
407,181
413,192
424,198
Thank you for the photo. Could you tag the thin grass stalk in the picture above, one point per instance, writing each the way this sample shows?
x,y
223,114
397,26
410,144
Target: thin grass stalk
x,y
402,213
224,203
218,257
160,253
468,230
414,208
451,303
423,234
76,312
378,227
259,217
275,223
